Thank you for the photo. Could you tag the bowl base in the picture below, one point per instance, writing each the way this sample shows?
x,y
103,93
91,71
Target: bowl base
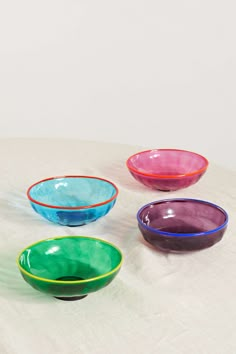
x,y
164,190
72,298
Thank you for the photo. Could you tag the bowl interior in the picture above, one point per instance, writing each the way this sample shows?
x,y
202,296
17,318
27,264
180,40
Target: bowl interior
x,y
70,258
72,191
167,162
182,216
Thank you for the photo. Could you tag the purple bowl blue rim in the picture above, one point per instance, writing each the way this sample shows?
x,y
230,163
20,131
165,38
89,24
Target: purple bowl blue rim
x,y
165,233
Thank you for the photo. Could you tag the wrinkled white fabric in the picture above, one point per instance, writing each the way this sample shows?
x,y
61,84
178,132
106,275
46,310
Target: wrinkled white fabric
x,y
159,303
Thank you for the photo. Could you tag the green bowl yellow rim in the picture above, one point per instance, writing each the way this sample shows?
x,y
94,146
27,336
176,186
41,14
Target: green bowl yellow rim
x,y
70,281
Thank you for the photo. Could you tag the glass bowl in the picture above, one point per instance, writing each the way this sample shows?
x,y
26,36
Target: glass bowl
x,y
167,169
69,267
181,225
72,200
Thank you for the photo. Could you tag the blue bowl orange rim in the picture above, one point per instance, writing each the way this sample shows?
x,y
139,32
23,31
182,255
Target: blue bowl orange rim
x,y
72,208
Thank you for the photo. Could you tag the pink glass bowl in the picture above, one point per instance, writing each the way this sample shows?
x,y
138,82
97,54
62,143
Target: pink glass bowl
x,y
167,169
182,224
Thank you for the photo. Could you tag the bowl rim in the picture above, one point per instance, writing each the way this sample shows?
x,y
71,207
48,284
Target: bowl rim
x,y
201,170
69,281
75,207
165,233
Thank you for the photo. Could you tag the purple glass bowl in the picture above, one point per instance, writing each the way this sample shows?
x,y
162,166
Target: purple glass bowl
x,y
167,169
182,224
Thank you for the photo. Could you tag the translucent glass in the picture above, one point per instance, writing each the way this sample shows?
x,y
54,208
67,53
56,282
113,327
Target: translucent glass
x,y
182,224
70,266
167,169
73,201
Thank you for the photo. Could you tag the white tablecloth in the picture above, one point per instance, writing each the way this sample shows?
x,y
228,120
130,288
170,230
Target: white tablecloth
x,y
159,303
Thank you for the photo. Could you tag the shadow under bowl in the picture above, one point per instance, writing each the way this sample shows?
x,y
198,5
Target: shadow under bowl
x,y
167,169
73,200
182,224
69,267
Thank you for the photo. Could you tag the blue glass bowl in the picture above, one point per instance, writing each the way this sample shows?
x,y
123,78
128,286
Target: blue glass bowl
x,y
72,200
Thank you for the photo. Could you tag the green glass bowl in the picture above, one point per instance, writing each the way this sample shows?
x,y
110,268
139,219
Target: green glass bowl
x,y
69,267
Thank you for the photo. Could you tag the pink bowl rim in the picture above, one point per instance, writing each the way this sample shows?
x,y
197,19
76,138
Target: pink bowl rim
x,y
67,207
201,170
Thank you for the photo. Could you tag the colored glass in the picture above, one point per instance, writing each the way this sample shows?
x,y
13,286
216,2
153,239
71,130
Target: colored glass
x,y
167,169
182,224
73,200
69,267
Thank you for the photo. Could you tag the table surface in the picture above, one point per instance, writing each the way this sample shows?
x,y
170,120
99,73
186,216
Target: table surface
x,y
159,303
